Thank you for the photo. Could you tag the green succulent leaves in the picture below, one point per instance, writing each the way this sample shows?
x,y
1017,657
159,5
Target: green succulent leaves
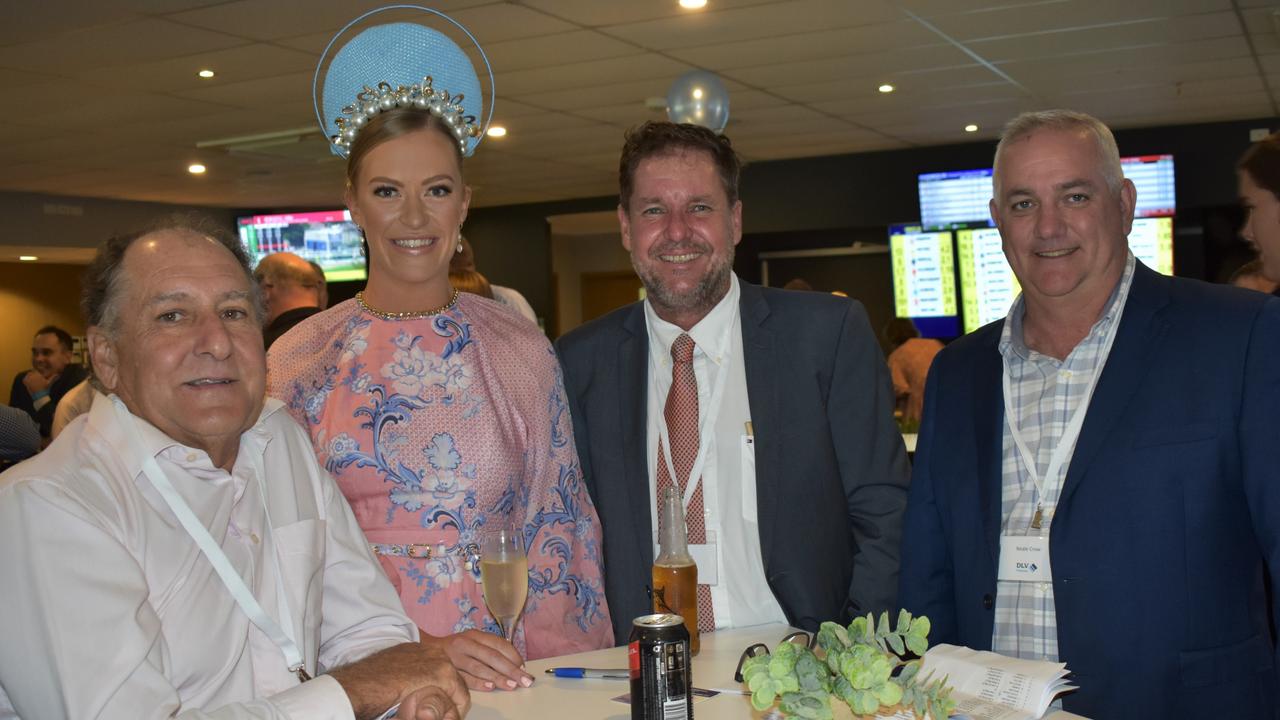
x,y
856,664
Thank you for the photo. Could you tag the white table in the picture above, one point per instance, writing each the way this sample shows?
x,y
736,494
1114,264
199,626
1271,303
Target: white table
x,y
592,698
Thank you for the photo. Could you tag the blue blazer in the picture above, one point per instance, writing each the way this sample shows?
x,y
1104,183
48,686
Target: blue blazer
x,y
831,471
1167,517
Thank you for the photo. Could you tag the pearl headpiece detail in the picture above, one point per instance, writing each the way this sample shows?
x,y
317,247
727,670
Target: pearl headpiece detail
x,y
422,96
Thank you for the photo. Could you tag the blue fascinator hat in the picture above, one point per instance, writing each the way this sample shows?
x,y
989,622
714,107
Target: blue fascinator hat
x,y
400,64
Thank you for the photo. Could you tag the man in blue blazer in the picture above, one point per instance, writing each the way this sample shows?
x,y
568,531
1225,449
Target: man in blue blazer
x,y
805,477
1161,508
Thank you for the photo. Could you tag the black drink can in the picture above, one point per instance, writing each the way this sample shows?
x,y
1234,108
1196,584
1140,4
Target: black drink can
x,y
661,670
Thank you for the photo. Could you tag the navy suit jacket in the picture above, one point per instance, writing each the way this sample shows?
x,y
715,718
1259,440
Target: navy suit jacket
x,y
1167,516
831,471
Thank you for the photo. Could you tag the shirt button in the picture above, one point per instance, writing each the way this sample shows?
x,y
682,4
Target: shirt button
x,y
1065,374
191,457
254,537
1044,587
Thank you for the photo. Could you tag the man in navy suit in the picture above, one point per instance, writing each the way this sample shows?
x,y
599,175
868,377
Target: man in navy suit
x,y
1096,480
802,479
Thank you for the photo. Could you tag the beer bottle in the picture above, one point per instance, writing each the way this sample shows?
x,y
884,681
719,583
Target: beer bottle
x,y
675,576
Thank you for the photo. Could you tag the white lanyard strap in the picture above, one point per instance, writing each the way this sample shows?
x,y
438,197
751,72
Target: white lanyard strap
x,y
1066,444
217,558
706,419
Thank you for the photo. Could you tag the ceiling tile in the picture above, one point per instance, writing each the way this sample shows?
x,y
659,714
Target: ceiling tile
x,y
874,68
772,20
137,41
817,45
1069,15
1093,40
577,46
593,13
252,94
519,83
232,65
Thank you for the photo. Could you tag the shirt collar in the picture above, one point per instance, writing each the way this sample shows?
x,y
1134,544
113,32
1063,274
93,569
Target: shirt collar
x,y
710,335
154,443
1011,339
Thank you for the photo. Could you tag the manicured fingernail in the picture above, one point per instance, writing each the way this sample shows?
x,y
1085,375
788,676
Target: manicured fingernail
x,y
511,683
488,685
526,681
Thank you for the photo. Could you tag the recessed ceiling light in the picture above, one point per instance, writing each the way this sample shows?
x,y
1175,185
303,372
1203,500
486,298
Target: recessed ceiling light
x,y
196,169
885,88
971,128
206,74
497,131
697,93
693,4
28,258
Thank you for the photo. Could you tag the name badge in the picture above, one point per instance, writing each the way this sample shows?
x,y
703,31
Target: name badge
x,y
704,556
1024,558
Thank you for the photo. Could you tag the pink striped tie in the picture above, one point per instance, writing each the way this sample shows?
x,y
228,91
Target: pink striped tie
x,y
681,414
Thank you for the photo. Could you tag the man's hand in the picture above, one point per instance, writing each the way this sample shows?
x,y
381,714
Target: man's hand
x,y
485,660
399,674
34,382
429,703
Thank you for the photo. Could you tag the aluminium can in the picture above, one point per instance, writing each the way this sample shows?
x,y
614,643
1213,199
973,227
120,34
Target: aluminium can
x,y
661,668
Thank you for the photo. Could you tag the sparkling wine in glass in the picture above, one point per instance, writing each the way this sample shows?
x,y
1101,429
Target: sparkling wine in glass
x,y
504,573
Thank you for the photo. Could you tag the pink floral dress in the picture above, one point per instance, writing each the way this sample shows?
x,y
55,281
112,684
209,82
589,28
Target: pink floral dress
x,y
436,427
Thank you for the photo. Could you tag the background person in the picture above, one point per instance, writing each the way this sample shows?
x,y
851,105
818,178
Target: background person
x,y
19,436
470,281
909,363
293,290
1259,176
442,414
37,391
1250,277
465,261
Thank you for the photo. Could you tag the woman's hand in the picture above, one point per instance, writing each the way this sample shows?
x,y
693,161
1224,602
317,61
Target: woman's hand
x,y
486,661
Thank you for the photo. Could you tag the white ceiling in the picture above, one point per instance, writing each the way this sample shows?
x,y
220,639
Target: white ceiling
x,y
104,100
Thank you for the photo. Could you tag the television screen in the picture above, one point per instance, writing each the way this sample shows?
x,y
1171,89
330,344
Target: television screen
x,y
961,196
924,279
329,238
1151,241
1152,176
987,283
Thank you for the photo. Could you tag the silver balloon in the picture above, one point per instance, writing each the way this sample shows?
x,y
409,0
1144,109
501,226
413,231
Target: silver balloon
x,y
698,97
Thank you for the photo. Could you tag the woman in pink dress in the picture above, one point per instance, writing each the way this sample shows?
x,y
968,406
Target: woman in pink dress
x,y
440,414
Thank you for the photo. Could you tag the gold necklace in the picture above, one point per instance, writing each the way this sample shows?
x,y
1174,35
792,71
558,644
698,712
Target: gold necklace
x,y
405,315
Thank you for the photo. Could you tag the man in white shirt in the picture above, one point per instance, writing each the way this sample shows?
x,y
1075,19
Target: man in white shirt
x,y
796,483
180,553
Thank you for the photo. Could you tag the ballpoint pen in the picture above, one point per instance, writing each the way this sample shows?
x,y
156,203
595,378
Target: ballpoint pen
x,y
577,672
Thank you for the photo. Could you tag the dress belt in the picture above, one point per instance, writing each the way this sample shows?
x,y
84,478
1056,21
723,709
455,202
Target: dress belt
x,y
468,553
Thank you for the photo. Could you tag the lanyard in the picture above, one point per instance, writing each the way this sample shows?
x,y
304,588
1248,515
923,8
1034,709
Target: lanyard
x,y
1066,444
218,559
706,420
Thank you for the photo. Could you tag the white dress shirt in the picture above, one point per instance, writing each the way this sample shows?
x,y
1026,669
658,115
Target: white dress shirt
x,y
111,610
741,597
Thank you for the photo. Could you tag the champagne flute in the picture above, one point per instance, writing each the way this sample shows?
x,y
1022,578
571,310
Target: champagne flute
x,y
504,573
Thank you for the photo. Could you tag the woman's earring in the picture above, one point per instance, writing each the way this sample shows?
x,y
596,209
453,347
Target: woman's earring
x,y
459,237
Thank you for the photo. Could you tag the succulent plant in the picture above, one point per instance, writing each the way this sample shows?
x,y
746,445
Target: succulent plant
x,y
861,664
